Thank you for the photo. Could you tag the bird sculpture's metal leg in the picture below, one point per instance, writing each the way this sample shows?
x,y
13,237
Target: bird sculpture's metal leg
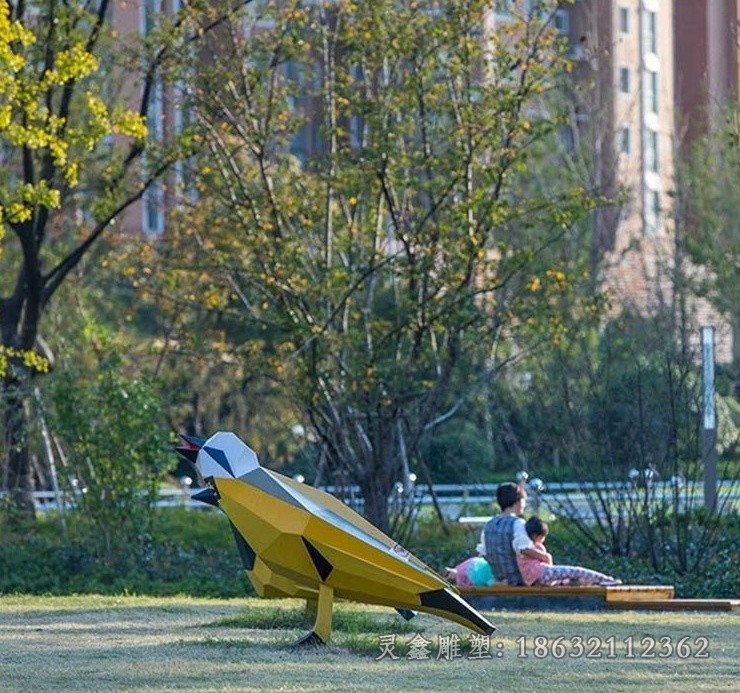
x,y
321,633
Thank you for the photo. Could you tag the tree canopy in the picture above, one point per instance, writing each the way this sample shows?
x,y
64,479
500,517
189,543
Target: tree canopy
x,y
362,201
75,154
710,204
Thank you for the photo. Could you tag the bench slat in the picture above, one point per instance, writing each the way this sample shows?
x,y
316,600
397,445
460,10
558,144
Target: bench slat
x,y
680,604
638,593
610,594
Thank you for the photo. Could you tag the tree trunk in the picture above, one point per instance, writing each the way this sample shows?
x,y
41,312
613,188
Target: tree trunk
x,y
375,496
18,475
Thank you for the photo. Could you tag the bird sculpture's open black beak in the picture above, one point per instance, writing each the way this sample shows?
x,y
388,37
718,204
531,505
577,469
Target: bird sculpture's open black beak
x,y
189,449
208,495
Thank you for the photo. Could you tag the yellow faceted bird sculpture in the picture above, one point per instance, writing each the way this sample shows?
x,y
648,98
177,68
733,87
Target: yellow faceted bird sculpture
x,y
298,541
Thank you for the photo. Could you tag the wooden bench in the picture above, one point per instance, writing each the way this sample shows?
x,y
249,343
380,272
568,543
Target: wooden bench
x,y
564,598
679,604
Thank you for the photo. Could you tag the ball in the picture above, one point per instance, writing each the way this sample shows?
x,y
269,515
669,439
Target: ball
x,y
480,573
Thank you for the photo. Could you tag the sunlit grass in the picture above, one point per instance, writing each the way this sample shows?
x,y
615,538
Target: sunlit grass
x,y
345,620
93,643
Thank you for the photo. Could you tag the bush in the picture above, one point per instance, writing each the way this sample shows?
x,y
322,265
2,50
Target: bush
x,y
114,434
189,552
440,549
457,453
193,552
717,579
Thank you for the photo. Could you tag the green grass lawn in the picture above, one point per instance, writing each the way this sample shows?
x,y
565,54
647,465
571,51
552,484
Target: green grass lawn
x,y
93,643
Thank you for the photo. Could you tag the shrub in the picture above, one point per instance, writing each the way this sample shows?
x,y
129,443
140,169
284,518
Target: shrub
x,y
716,578
189,552
115,438
438,548
193,552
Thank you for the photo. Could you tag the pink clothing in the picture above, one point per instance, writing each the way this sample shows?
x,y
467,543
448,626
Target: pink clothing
x,y
462,576
530,568
536,572
472,572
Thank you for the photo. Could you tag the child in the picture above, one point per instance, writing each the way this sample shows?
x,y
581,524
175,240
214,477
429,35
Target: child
x,y
472,572
537,572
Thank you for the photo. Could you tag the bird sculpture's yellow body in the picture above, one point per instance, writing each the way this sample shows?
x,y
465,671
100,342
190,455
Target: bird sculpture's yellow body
x,y
298,541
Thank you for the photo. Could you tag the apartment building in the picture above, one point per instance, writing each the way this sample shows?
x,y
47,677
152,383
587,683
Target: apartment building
x,y
623,54
654,73
707,62
707,54
164,117
650,75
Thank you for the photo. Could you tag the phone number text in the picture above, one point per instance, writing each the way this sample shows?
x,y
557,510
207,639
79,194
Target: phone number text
x,y
594,647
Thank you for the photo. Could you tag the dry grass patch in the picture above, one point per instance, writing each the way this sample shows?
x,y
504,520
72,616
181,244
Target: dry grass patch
x,y
133,643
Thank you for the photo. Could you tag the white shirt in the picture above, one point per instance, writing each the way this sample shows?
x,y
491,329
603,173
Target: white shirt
x,y
521,539
481,547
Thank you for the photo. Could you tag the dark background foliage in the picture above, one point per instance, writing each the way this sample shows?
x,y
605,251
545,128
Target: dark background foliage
x,y
192,552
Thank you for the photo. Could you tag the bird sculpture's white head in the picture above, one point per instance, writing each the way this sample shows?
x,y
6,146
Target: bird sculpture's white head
x,y
224,455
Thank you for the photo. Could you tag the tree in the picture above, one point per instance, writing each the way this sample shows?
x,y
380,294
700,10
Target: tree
x,y
394,240
615,408
114,437
710,207
64,180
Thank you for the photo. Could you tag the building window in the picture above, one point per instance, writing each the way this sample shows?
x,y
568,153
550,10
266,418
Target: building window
x,y
652,155
652,92
651,32
562,21
298,82
153,210
153,199
184,123
565,136
624,80
155,111
652,211
150,9
625,145
624,20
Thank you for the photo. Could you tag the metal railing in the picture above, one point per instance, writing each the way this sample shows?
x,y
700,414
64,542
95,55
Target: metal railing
x,y
453,499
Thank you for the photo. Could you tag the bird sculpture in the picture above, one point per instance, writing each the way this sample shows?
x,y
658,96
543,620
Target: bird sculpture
x,y
298,541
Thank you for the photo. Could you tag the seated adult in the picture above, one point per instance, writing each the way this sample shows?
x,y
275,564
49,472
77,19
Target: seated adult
x,y
505,535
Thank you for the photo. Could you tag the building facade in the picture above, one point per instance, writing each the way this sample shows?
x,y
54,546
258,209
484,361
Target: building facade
x,y
707,62
648,75
653,75
623,55
165,116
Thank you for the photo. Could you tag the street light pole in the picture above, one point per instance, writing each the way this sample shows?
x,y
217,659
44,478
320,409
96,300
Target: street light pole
x,y
709,420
